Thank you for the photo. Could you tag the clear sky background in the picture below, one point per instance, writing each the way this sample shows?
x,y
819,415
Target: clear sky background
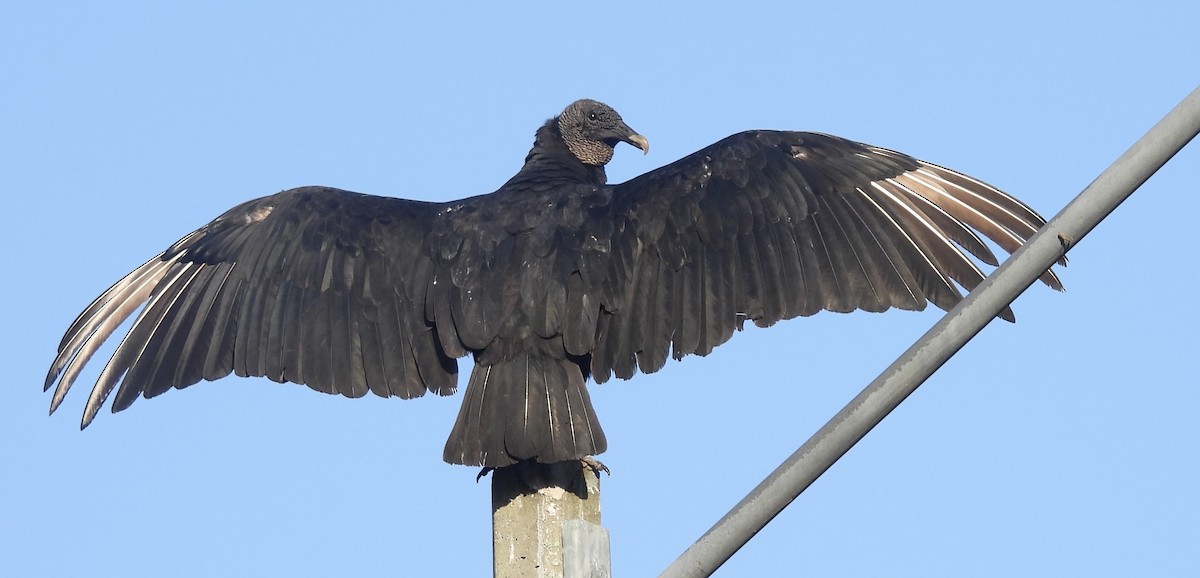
x,y
1064,445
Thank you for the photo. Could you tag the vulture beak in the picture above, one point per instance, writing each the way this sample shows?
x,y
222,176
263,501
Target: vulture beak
x,y
638,141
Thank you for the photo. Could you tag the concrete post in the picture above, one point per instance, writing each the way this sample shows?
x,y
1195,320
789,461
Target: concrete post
x,y
530,503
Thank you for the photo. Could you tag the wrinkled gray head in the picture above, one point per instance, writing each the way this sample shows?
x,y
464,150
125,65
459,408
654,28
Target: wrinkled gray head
x,y
591,129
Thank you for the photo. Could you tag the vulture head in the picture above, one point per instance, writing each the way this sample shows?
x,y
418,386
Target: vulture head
x,y
591,130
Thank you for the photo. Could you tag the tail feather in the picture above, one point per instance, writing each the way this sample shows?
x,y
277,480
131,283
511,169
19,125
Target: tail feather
x,y
527,407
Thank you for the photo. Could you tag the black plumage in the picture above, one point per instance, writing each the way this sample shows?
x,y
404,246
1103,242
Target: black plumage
x,y
555,277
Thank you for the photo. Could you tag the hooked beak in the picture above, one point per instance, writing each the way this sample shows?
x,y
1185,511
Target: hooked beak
x,y
638,141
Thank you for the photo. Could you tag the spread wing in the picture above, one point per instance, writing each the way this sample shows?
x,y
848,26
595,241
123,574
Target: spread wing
x,y
350,293
315,285
768,225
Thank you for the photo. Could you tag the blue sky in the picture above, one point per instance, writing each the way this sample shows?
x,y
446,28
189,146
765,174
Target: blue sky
x,y
1062,445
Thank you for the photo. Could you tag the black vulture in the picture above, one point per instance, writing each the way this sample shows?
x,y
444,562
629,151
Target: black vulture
x,y
554,278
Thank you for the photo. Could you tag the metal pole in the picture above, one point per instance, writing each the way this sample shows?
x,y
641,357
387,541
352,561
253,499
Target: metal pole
x,y
903,377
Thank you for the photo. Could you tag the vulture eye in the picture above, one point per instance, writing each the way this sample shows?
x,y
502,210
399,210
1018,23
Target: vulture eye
x,y
591,116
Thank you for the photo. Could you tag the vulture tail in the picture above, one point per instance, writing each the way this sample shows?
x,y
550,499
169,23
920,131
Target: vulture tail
x,y
527,407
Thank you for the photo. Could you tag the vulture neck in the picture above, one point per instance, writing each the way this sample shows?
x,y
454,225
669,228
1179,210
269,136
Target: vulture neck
x,y
550,163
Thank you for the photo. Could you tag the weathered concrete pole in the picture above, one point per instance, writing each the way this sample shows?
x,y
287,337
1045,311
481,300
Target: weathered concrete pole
x,y
530,504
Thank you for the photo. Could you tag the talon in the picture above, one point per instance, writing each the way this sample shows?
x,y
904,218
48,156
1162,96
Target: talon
x,y
1065,241
482,473
595,465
